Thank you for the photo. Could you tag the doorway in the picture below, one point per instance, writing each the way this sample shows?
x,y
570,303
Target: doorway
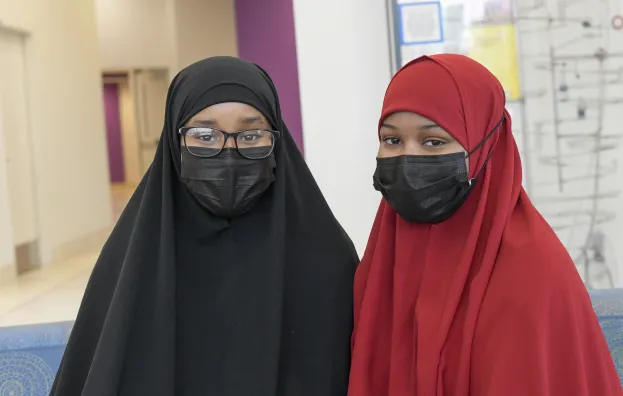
x,y
134,103
116,163
17,139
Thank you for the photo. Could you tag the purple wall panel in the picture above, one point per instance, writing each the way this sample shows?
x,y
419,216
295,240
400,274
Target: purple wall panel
x,y
266,36
113,133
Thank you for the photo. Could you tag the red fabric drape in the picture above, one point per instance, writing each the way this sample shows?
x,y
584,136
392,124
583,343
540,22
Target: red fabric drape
x,y
487,303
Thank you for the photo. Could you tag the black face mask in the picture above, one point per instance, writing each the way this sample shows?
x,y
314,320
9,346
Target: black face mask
x,y
228,185
426,189
423,189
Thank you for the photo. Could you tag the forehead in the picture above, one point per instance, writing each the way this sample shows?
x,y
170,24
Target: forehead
x,y
405,119
229,110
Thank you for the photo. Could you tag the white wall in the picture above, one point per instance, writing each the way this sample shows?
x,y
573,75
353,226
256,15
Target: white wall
x,y
64,87
7,256
343,60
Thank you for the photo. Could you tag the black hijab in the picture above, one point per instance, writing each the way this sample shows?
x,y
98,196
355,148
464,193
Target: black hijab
x,y
184,303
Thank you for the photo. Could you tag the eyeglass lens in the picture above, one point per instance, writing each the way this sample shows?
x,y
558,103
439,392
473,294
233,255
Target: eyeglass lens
x,y
207,142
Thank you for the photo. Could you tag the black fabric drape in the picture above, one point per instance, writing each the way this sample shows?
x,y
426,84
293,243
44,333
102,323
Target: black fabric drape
x,y
184,303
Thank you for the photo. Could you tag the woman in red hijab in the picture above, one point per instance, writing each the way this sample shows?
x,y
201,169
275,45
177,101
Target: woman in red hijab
x,y
464,289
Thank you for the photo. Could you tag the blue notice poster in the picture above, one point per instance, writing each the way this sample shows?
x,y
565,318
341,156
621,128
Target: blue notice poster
x,y
420,23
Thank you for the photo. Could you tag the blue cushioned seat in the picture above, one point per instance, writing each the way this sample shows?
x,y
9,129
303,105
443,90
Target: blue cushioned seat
x,y
608,305
30,356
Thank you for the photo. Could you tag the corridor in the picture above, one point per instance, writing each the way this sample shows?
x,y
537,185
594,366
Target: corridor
x,y
53,293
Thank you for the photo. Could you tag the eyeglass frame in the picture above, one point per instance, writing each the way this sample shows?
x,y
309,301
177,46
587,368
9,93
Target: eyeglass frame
x,y
183,130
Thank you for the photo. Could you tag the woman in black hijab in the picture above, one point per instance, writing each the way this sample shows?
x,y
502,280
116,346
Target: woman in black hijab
x,y
227,274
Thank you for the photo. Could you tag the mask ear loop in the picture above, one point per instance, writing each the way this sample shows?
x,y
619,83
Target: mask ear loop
x,y
479,145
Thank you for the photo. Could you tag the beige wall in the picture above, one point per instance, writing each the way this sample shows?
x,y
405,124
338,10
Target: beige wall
x,y
135,33
66,117
163,33
204,28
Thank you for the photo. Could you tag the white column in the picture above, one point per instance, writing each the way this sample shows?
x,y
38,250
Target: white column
x,y
344,68
7,250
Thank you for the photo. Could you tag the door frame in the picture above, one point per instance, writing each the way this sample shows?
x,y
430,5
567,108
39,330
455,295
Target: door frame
x,y
129,128
133,129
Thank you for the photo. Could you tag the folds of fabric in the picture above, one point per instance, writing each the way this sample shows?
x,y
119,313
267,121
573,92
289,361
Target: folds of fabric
x,y
487,303
184,303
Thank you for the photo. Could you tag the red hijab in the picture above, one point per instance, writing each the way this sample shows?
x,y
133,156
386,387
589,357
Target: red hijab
x,y
487,303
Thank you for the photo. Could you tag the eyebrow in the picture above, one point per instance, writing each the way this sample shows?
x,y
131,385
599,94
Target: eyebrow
x,y
424,127
251,120
207,123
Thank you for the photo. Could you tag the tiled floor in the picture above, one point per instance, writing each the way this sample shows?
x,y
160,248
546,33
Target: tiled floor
x,y
53,293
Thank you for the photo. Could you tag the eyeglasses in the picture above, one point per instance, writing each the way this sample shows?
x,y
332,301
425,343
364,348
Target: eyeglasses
x,y
209,142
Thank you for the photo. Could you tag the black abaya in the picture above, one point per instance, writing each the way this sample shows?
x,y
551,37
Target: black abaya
x,y
185,303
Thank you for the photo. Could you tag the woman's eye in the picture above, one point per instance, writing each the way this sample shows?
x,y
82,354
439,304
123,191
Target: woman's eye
x,y
250,137
434,143
391,140
207,138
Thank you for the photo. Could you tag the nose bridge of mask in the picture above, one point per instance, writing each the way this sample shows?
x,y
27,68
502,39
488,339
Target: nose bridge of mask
x,y
479,146
218,169
452,165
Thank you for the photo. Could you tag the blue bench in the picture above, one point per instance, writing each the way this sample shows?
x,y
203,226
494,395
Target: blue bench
x,y
30,355
608,305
